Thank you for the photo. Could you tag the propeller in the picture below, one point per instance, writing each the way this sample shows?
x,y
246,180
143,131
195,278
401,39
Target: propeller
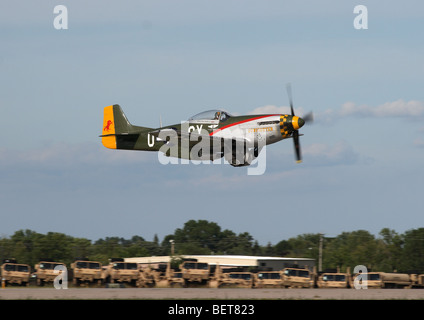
x,y
296,123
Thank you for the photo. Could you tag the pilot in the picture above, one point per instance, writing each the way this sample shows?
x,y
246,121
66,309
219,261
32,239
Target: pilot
x,y
217,114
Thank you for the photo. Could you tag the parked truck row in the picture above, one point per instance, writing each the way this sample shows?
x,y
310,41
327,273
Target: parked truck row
x,y
192,273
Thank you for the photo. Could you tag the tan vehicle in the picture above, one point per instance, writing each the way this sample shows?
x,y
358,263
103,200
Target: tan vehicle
x,y
123,272
195,272
269,279
88,272
231,279
384,280
333,280
45,273
298,278
170,279
417,280
238,280
216,280
15,273
147,278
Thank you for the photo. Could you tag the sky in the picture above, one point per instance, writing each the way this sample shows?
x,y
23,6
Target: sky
x,y
362,157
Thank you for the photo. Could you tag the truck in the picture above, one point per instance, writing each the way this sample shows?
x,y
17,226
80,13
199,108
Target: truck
x,y
297,278
88,272
383,280
269,279
170,279
417,280
15,273
195,272
45,271
238,280
231,279
119,271
333,280
147,278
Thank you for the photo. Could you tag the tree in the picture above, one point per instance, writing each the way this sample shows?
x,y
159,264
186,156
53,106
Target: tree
x,y
197,236
390,251
305,245
204,237
283,248
242,244
55,246
413,250
24,246
350,249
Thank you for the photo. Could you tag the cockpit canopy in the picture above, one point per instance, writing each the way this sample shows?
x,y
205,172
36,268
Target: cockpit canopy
x,y
211,115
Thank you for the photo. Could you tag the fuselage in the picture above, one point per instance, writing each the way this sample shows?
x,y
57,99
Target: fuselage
x,y
253,128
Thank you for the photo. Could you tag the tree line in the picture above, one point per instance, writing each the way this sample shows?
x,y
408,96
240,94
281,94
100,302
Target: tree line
x,y
388,252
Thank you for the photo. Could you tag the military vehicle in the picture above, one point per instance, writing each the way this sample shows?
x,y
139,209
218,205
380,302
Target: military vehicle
x,y
417,280
384,280
45,271
238,280
297,278
333,280
269,279
122,272
147,278
195,272
15,273
239,139
231,279
170,279
88,272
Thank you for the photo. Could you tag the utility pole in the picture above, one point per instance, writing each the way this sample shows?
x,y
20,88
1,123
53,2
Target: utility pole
x,y
172,247
320,252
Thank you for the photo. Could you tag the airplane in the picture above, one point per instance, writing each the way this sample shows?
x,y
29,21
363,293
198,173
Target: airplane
x,y
239,139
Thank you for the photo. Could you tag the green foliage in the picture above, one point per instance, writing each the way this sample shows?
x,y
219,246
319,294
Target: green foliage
x,y
387,252
413,250
204,237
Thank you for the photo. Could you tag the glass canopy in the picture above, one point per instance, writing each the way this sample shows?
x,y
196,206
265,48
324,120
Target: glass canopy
x,y
211,115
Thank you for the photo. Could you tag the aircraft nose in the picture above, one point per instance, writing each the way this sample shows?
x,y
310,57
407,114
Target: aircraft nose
x,y
297,122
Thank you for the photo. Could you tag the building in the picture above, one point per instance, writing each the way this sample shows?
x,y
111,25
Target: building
x,y
232,261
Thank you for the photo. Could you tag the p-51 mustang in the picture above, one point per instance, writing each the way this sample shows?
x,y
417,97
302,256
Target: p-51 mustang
x,y
208,135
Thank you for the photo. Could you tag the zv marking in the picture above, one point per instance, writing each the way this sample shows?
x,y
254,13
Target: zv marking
x,y
199,129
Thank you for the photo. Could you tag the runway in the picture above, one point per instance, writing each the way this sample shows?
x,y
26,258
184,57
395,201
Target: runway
x,y
207,293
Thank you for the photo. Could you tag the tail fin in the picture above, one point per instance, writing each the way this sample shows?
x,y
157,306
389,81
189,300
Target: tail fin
x,y
114,123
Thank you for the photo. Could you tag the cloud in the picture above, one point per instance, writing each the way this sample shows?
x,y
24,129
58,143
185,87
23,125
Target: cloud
x,y
393,109
341,153
272,109
419,142
68,154
397,108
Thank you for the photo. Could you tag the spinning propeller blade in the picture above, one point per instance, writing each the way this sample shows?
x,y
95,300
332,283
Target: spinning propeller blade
x,y
300,122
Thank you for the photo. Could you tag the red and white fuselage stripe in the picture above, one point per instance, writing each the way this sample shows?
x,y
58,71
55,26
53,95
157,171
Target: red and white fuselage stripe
x,y
253,129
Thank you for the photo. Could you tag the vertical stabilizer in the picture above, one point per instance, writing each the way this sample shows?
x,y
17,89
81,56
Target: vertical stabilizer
x,y
114,123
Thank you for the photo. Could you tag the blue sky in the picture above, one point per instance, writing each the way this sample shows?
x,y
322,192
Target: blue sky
x,y
363,155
